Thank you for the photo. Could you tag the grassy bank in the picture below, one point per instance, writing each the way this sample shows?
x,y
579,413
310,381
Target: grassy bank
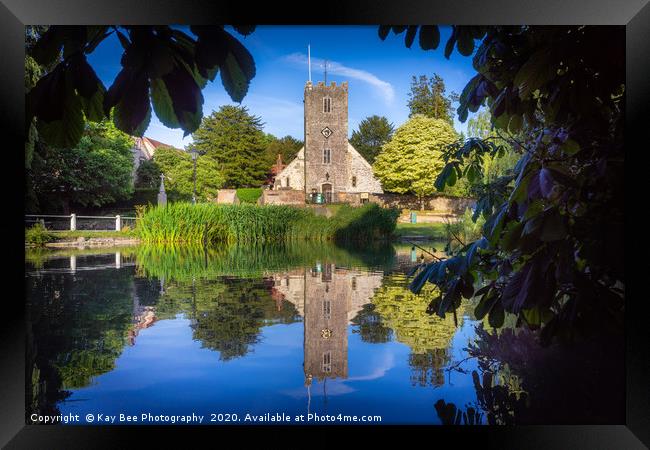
x,y
433,231
210,223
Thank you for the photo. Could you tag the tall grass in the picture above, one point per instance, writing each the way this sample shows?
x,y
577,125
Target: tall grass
x,y
210,223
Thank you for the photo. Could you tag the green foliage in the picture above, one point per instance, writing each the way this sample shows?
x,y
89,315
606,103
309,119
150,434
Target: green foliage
x,y
208,223
234,140
37,234
288,147
178,168
249,195
552,246
465,229
373,133
148,175
412,159
428,97
64,176
161,66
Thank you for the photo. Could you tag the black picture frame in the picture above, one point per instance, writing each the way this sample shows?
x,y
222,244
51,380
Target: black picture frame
x,y
14,14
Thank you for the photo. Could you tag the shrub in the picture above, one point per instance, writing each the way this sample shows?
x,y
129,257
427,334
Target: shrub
x,y
249,195
38,235
465,230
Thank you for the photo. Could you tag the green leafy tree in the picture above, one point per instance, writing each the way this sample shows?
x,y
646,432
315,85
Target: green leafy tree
x,y
373,133
552,246
148,175
178,169
412,159
493,167
288,147
429,97
163,67
234,140
62,177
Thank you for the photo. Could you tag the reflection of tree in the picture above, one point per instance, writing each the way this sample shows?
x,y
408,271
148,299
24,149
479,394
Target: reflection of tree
x,y
227,314
77,328
428,336
371,327
580,383
428,367
449,414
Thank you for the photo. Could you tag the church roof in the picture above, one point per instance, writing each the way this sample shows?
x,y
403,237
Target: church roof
x,y
148,146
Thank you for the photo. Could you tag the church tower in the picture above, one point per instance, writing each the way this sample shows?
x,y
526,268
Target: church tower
x,y
326,139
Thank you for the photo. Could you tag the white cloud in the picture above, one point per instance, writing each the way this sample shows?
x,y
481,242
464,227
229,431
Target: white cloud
x,y
384,88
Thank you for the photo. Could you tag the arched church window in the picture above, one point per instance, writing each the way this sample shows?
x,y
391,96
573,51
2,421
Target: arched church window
x,y
354,181
288,183
327,309
327,362
327,104
327,155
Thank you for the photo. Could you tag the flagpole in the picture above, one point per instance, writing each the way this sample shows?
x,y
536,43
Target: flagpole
x,y
309,60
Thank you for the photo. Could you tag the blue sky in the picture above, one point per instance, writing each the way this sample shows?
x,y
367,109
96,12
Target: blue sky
x,y
378,73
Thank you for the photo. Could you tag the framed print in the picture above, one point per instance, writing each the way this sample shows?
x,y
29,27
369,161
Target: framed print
x,y
386,218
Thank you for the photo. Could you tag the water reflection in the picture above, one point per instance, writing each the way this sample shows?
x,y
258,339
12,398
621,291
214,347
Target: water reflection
x,y
285,329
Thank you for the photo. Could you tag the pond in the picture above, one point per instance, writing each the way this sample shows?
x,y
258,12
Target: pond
x,y
253,335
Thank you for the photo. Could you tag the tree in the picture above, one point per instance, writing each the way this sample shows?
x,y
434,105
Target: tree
x,y
234,140
148,175
412,159
497,166
66,176
288,147
428,97
552,246
178,168
161,66
373,133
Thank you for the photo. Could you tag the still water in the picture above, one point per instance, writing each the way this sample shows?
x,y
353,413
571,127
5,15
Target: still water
x,y
302,330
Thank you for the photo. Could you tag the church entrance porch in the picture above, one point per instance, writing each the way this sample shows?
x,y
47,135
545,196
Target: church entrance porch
x,y
327,192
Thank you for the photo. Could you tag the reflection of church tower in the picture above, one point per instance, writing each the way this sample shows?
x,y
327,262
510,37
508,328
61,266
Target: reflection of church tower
x,y
326,320
327,298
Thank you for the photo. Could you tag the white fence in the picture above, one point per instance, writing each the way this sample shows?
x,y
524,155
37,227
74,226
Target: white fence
x,y
115,221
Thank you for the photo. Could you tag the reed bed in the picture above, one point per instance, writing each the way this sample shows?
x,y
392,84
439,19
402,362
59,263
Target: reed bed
x,y
244,223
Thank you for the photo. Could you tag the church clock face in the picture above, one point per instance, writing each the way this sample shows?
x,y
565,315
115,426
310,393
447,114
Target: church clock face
x,y
326,132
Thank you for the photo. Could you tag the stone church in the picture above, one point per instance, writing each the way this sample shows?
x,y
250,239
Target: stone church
x,y
328,164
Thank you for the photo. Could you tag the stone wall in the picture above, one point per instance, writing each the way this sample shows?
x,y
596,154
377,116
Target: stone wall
x,y
362,172
293,175
436,203
282,197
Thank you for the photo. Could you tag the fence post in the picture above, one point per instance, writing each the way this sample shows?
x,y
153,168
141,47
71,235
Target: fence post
x,y
118,223
73,222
